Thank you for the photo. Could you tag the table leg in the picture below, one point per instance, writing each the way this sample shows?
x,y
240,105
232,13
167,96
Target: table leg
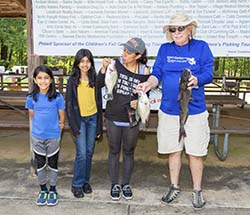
x,y
215,122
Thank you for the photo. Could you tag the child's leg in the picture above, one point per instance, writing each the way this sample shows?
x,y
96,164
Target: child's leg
x,y
53,170
41,170
53,148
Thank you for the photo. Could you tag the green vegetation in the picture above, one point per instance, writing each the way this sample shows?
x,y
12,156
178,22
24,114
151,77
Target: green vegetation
x,y
13,51
13,45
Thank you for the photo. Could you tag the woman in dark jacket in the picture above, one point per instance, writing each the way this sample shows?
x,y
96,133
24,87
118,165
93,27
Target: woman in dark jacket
x,y
84,112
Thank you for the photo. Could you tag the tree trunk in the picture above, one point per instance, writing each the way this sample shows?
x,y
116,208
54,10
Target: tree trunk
x,y
4,52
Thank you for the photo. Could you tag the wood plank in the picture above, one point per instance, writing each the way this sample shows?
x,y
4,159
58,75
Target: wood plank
x,y
224,100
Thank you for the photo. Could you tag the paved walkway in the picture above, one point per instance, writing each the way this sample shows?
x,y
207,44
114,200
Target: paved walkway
x,y
226,193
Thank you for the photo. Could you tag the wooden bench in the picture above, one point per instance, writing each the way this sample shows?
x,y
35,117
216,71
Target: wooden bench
x,y
10,98
222,155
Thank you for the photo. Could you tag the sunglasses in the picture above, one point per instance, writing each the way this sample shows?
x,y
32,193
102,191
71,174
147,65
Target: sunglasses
x,y
180,29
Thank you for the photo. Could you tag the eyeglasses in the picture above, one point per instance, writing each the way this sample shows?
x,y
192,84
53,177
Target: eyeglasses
x,y
180,29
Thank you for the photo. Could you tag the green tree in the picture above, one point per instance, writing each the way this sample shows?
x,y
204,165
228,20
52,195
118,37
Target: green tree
x,y
13,42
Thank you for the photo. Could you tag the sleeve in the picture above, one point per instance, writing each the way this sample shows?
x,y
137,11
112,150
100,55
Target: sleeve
x,y
207,64
29,102
100,79
69,108
157,67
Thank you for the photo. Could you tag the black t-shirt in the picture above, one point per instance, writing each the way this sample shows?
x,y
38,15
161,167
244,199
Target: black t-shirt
x,y
123,93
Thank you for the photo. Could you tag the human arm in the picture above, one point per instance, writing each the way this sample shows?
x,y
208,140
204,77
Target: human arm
x,y
31,113
151,83
71,107
61,118
102,71
206,66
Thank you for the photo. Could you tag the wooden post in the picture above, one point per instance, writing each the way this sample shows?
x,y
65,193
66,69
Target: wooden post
x,y
33,62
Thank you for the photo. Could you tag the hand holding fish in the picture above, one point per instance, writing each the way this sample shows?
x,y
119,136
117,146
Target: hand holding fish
x,y
105,63
133,104
193,82
111,77
151,83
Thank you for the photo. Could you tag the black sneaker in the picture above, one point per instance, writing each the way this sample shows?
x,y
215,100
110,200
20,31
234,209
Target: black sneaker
x,y
127,192
115,192
87,188
171,195
198,200
77,192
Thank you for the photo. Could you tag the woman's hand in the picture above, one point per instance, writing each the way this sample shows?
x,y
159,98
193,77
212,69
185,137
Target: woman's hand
x,y
133,104
105,63
144,87
193,82
151,83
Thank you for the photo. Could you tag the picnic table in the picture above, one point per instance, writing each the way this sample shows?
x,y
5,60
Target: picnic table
x,y
217,102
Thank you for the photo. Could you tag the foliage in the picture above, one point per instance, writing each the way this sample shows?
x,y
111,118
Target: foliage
x,y
13,42
232,66
65,62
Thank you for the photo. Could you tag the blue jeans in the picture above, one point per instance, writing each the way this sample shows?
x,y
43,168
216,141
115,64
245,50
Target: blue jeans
x,y
85,143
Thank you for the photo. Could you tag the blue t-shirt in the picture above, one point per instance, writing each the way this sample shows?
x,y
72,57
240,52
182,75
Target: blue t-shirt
x,y
45,123
170,61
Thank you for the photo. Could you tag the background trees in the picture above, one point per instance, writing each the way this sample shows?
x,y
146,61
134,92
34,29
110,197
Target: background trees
x,y
13,44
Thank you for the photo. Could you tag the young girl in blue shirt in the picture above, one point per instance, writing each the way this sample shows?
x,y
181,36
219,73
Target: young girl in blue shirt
x,y
46,110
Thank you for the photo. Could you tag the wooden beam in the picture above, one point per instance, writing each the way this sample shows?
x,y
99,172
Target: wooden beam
x,y
13,8
33,60
13,14
21,3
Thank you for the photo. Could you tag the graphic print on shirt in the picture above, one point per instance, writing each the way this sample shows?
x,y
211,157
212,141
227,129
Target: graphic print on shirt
x,y
175,59
126,85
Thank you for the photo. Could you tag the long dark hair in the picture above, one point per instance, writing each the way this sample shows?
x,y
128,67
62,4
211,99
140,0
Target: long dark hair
x,y
143,59
52,88
76,73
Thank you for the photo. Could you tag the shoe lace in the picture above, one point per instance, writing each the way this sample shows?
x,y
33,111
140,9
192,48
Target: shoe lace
x,y
127,188
116,188
198,198
43,195
52,195
173,193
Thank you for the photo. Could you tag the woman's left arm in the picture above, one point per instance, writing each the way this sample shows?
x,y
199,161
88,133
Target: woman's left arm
x,y
206,66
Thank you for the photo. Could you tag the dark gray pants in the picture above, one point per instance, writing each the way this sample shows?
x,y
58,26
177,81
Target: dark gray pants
x,y
126,137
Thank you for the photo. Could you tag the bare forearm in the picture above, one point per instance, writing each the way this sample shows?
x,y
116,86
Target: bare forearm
x,y
153,82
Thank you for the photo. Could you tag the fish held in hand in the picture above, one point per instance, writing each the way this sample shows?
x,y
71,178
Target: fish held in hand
x,y
184,99
143,108
110,80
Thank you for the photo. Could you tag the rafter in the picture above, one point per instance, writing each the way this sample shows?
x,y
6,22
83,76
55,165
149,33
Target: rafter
x,y
13,8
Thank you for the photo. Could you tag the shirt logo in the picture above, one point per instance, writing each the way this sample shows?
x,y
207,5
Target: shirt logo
x,y
175,59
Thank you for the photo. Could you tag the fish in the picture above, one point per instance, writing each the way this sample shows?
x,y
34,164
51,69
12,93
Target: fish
x,y
110,80
143,109
184,99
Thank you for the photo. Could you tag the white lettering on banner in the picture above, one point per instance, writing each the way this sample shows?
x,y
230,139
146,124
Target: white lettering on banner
x,y
62,27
